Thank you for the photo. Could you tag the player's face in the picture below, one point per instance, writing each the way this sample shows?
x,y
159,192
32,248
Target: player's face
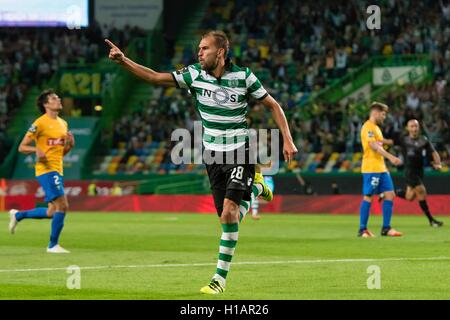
x,y
380,117
413,128
53,103
208,54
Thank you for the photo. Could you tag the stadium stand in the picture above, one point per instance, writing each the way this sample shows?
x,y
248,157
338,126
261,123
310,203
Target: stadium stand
x,y
296,58
30,56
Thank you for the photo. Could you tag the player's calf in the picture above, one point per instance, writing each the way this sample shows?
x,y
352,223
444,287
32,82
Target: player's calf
x,y
61,205
15,216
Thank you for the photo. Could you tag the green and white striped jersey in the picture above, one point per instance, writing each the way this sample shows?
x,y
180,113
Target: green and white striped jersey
x,y
222,103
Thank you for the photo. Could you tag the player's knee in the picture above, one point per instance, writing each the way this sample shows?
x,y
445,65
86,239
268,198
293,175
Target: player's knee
x,y
410,195
230,211
65,207
368,199
389,195
62,205
421,193
51,211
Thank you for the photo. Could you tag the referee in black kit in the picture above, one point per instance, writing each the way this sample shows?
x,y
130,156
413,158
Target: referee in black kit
x,y
415,147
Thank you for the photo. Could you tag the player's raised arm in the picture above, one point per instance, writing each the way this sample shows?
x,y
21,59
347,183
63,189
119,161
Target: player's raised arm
x,y
146,74
289,148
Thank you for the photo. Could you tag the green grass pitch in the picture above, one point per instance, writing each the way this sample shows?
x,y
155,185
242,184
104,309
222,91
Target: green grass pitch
x,y
170,256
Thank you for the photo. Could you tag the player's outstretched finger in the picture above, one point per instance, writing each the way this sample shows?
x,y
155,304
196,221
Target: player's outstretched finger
x,y
112,45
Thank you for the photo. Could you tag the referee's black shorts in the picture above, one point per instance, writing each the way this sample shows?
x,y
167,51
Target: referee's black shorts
x,y
233,181
414,177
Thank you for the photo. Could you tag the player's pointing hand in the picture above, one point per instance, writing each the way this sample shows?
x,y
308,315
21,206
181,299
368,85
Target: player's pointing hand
x,y
289,151
115,54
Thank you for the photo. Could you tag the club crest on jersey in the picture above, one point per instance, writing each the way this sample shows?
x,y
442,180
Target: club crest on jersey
x,y
56,142
182,70
233,83
33,128
371,134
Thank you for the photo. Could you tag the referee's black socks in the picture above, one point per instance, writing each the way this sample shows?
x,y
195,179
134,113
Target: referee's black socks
x,y
424,205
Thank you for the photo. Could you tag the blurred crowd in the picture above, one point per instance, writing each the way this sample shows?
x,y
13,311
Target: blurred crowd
x,y
299,47
30,56
296,48
323,129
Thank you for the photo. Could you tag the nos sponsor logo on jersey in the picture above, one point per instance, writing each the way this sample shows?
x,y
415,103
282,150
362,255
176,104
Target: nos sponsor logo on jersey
x,y
220,95
56,142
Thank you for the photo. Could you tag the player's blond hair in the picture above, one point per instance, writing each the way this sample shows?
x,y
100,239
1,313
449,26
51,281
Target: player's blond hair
x,y
379,106
220,39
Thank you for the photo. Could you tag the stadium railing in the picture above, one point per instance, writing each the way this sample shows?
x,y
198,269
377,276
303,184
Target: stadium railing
x,y
398,84
363,74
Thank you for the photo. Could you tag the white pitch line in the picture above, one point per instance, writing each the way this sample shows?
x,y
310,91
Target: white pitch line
x,y
181,265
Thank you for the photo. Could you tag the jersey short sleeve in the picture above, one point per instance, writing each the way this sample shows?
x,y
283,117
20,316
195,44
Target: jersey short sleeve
x,y
186,75
369,134
254,86
33,131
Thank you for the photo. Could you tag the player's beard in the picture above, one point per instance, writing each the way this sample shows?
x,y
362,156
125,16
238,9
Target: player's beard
x,y
213,66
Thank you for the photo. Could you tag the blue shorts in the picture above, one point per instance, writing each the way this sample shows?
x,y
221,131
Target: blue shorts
x,y
53,185
376,183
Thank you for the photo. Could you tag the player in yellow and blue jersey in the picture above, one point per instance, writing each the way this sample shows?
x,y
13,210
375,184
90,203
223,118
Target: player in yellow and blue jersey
x,y
376,177
52,140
